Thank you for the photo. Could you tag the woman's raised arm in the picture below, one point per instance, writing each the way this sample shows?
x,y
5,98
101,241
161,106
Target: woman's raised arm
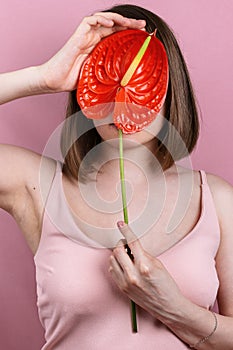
x,y
61,72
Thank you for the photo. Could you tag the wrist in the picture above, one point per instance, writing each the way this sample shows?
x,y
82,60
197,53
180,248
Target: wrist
x,y
37,83
192,323
21,83
178,314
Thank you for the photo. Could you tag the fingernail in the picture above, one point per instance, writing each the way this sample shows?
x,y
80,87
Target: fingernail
x,y
120,223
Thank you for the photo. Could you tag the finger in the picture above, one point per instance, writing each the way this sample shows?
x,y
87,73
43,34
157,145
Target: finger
x,y
114,265
131,239
123,21
103,31
117,273
99,19
103,24
124,271
123,259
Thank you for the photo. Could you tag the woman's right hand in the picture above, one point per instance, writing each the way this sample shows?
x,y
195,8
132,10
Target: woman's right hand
x,y
61,72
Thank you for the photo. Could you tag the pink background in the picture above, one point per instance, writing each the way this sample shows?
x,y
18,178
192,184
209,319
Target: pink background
x,y
32,31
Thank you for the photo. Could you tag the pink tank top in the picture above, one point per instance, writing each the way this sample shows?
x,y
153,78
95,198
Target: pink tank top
x,y
79,305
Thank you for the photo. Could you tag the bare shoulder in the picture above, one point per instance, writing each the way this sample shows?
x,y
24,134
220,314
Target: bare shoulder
x,y
218,184
17,164
11,156
20,168
17,167
25,181
222,192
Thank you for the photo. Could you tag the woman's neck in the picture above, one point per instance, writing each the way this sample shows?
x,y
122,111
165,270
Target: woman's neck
x,y
139,160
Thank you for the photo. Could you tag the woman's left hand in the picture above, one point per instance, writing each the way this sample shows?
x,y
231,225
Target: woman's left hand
x,y
145,280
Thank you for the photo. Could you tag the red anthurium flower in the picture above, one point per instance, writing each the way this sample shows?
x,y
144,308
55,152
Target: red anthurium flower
x,y
126,74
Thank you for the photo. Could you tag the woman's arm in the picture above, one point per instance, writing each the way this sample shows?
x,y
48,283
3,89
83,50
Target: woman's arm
x,y
193,323
61,72
58,74
148,283
21,83
198,318
19,175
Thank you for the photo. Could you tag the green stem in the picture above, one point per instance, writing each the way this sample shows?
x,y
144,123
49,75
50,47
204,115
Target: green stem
x,y
126,218
134,317
122,176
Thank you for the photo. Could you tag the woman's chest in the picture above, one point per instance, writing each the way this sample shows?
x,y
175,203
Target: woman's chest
x,y
160,218
76,277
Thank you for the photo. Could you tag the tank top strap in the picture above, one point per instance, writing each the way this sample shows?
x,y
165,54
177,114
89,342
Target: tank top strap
x,y
203,177
54,187
59,167
211,217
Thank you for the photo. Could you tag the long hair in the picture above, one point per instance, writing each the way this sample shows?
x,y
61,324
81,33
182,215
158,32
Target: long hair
x,y
180,105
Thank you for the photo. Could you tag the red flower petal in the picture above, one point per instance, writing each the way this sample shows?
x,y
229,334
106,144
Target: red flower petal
x,y
99,89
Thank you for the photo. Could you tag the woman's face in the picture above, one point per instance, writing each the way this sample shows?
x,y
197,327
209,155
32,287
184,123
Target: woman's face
x,y
108,131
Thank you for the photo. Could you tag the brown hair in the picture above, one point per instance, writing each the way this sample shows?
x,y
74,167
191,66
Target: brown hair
x,y
180,106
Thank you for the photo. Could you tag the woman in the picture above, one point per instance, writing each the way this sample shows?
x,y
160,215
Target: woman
x,y
83,292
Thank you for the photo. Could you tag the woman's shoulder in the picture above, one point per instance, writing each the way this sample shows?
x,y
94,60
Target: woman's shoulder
x,y
24,172
220,188
218,185
222,193
24,159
